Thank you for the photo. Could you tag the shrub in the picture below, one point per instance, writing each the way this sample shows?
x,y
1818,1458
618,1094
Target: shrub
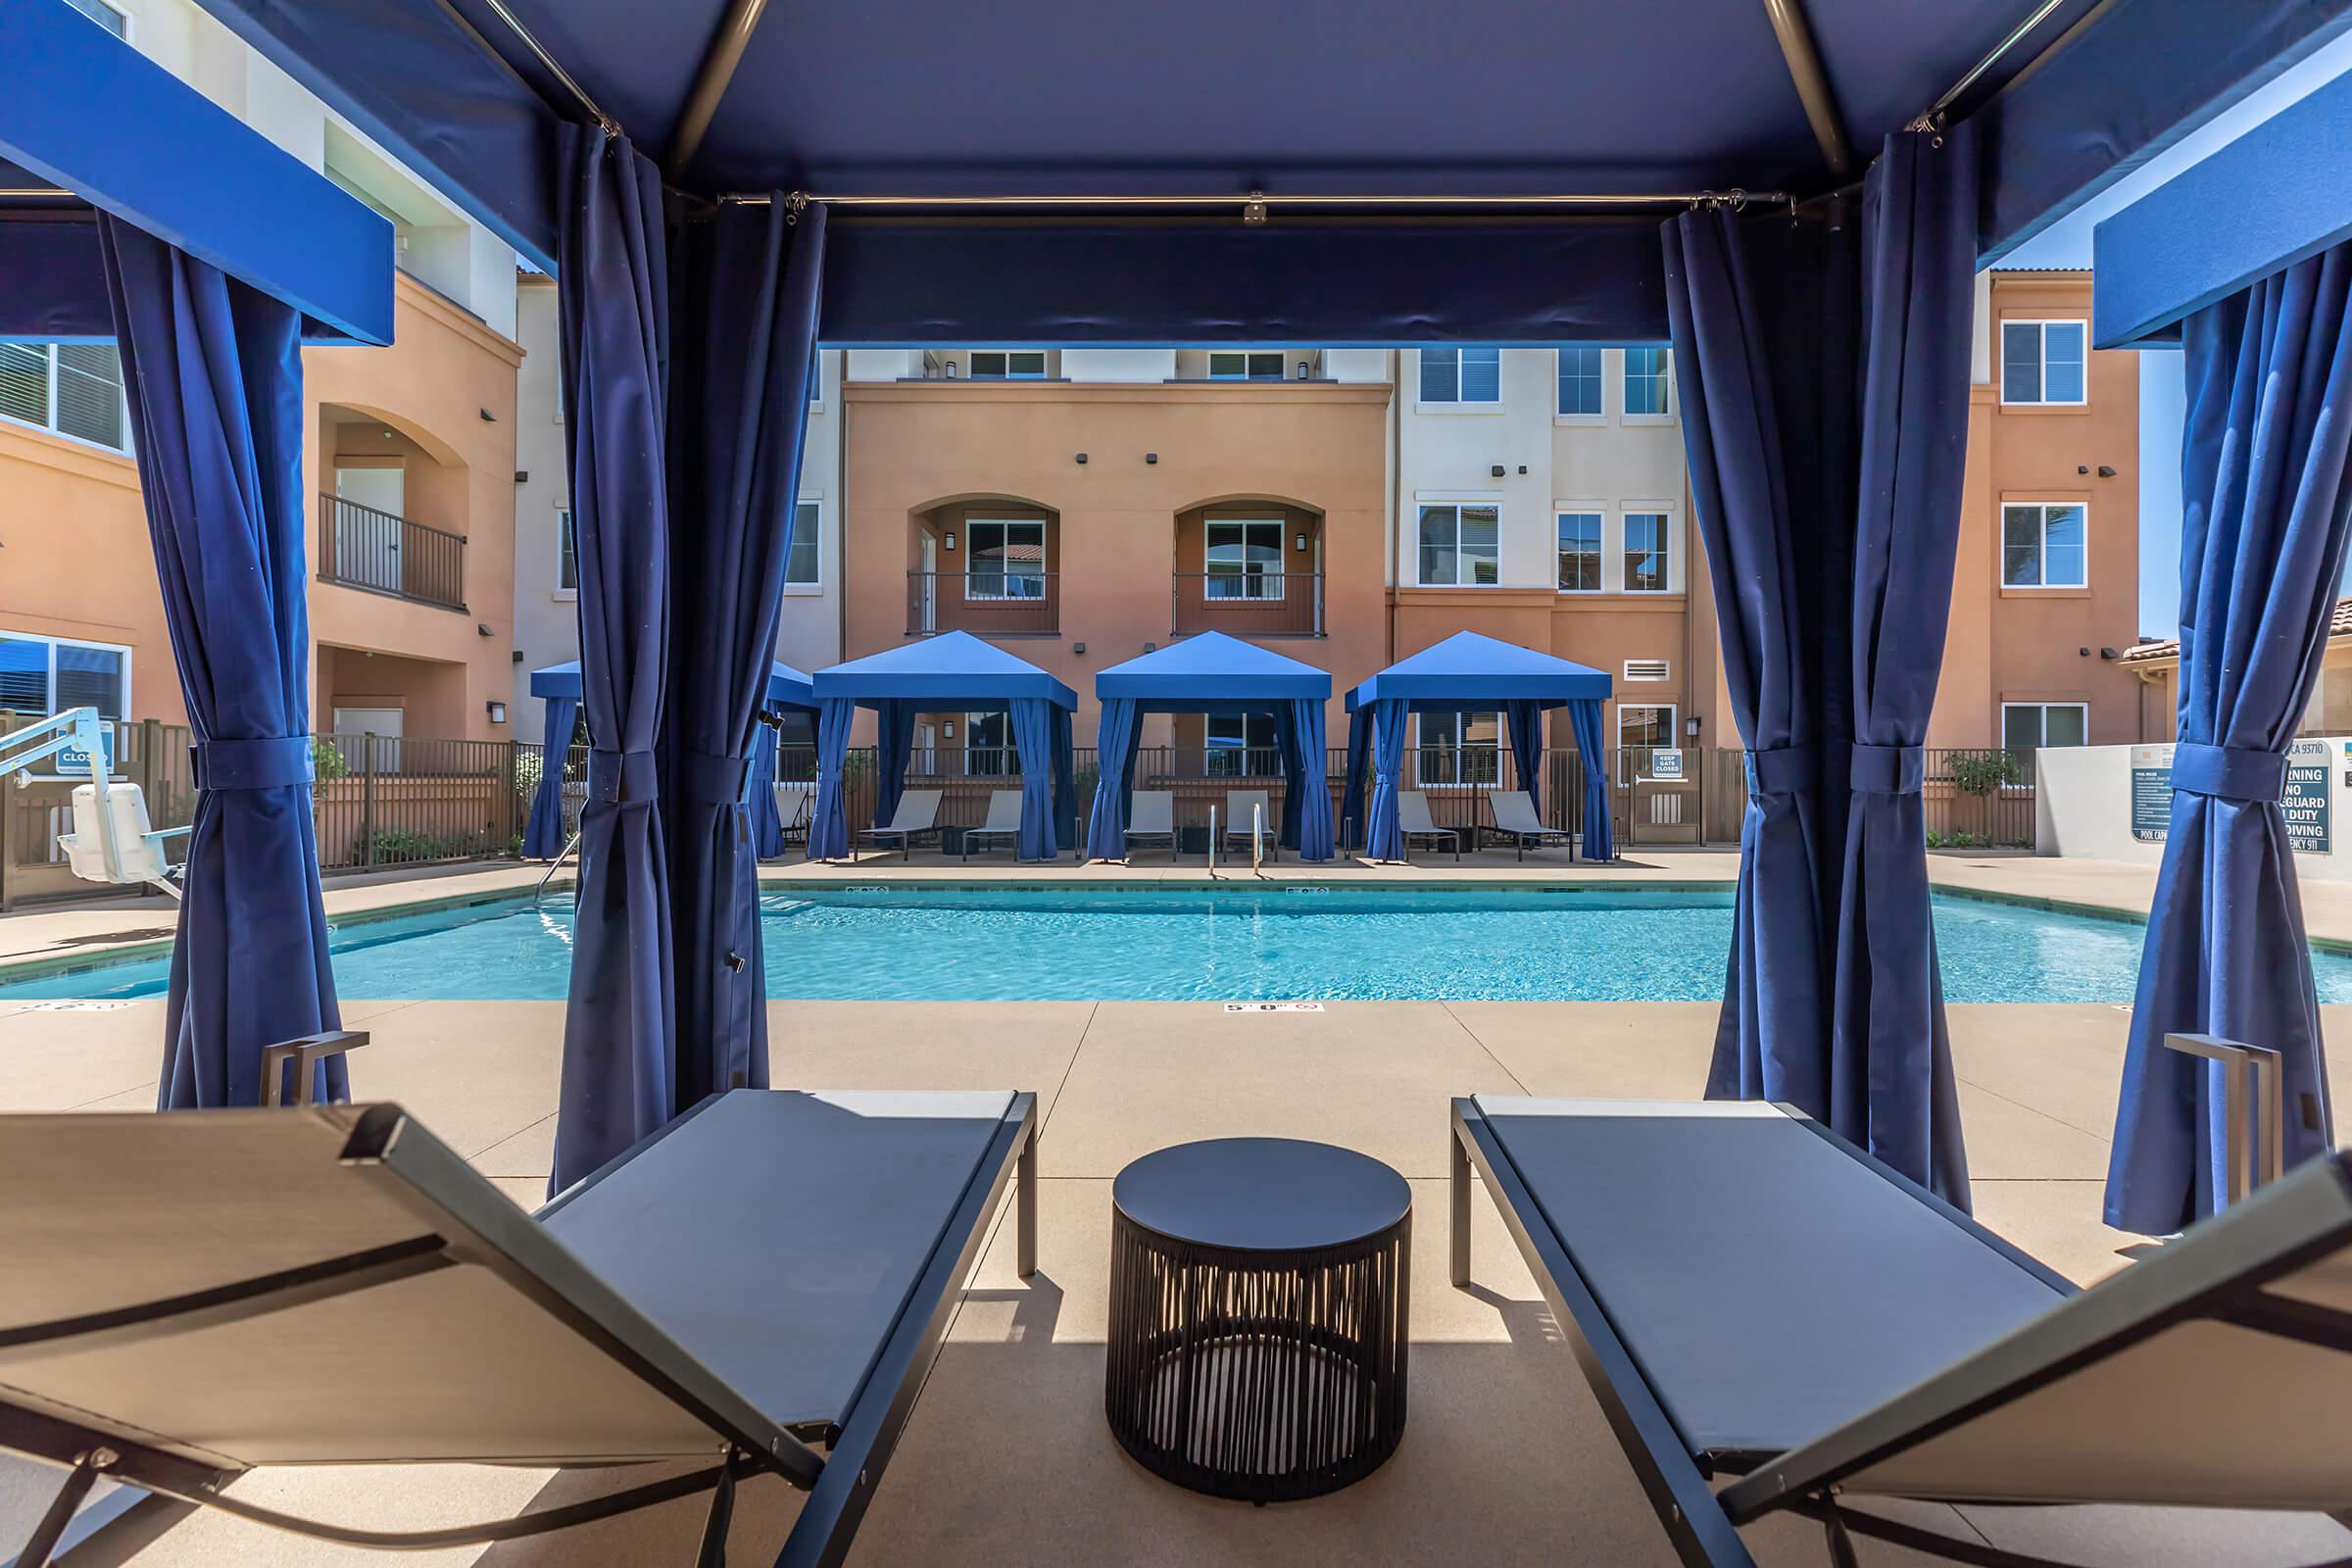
x,y
328,760
529,768
1982,772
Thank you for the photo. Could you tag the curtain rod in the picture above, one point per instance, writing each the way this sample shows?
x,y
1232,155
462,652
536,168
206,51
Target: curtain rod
x,y
1932,118
1255,204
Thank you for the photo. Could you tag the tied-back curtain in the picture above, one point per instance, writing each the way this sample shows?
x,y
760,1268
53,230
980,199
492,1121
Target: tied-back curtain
x,y
1066,778
2267,512
1032,728
1384,838
213,372
894,745
1288,764
620,1058
543,834
1524,720
1311,789
1583,723
829,819
759,796
744,313
1351,789
1115,749
1824,366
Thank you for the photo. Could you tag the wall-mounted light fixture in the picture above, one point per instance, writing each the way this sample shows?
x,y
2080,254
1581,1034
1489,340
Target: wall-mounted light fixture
x,y
483,627
498,712
1300,546
1077,648
1082,458
950,370
950,541
1149,457
1302,370
2106,470
488,418
1495,470
947,731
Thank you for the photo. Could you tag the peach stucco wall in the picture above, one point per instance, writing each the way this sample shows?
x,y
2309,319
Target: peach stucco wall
x,y
912,448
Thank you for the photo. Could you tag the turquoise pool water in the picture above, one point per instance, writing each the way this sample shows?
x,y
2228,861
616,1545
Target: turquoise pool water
x,y
1219,944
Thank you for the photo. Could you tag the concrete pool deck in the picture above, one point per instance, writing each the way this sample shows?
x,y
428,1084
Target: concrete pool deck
x,y
1507,1457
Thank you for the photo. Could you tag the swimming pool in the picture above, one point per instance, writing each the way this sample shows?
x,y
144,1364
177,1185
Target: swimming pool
x,y
1213,943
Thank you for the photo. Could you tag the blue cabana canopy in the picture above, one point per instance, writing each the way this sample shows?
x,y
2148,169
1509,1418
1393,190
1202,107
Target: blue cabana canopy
x,y
559,687
1213,673
1469,673
958,672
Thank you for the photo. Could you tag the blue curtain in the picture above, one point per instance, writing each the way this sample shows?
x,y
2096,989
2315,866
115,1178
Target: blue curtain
x,y
1114,757
1287,762
543,834
1525,721
1307,809
744,308
2267,510
829,819
1032,728
1351,796
213,372
893,744
1384,839
620,1056
759,796
1065,779
1824,371
1584,722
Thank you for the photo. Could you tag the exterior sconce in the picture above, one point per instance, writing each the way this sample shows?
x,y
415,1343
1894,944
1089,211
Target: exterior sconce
x,y
1082,459
1148,457
1301,371
1691,726
498,712
947,731
950,541
1300,547
950,370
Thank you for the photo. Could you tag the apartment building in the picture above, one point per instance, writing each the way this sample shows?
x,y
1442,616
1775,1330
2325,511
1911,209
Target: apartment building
x,y
408,462
2045,602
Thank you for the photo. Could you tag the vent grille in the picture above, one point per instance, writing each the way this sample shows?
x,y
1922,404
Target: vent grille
x,y
1648,669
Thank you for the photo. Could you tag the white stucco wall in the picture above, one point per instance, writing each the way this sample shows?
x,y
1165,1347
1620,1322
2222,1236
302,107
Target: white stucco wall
x,y
547,627
1119,365
2083,809
809,631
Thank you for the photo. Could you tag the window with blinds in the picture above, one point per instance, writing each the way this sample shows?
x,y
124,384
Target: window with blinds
x,y
74,389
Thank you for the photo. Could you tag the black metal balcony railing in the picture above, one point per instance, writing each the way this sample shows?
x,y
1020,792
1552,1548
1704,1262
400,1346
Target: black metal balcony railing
x,y
361,546
992,601
1253,604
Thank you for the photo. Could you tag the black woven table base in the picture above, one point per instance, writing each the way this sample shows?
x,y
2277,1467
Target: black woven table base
x,y
1260,1376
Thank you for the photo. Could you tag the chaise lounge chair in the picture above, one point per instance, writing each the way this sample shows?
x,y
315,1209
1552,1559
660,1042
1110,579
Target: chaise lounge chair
x,y
1751,1296
918,816
1004,822
189,1297
1151,815
796,806
1239,806
1515,819
1413,822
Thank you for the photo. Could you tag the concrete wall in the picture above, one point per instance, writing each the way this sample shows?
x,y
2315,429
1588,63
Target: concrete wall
x,y
2083,809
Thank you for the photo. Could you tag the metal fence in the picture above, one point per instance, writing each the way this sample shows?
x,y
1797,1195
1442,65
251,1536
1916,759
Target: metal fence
x,y
1256,603
361,546
398,801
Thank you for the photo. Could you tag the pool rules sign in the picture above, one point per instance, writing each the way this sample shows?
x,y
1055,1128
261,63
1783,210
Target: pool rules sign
x,y
2308,803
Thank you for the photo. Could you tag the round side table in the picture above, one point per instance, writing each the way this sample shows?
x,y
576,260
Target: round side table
x,y
1258,1316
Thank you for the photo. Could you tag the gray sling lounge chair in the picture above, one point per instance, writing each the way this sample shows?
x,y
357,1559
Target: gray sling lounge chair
x,y
1413,823
1751,1296
1151,815
1003,822
918,816
1515,819
191,1295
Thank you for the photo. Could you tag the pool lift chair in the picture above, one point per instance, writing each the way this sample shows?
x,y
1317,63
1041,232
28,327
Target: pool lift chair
x,y
112,841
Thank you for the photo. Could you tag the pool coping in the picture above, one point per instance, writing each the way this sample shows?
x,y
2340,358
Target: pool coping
x,y
139,952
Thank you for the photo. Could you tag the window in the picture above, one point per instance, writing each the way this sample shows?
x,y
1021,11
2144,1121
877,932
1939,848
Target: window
x,y
987,746
1648,552
1244,558
1460,544
1461,376
2044,545
44,675
74,389
567,553
1642,728
1018,365
1648,372
1580,552
1579,383
1241,745
800,568
1008,558
1461,748
2042,362
106,15
1253,364
2027,725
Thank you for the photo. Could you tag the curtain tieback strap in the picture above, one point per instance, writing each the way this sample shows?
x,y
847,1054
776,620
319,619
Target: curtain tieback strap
x,y
273,763
624,777
1888,769
713,780
1781,770
2228,772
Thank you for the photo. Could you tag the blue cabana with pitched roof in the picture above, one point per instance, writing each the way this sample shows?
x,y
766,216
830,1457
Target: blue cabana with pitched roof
x,y
1213,673
559,687
1471,674
955,671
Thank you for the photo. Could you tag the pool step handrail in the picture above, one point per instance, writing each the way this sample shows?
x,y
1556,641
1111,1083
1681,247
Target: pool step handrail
x,y
1257,839
1212,839
554,865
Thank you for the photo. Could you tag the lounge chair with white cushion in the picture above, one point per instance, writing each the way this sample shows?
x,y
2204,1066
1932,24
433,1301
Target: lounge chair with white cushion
x,y
918,816
1515,819
1752,1296
796,805
1243,808
191,1295
1003,822
1151,815
1413,822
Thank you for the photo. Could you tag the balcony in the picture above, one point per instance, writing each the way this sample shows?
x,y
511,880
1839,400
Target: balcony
x,y
1003,602
1249,603
379,553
